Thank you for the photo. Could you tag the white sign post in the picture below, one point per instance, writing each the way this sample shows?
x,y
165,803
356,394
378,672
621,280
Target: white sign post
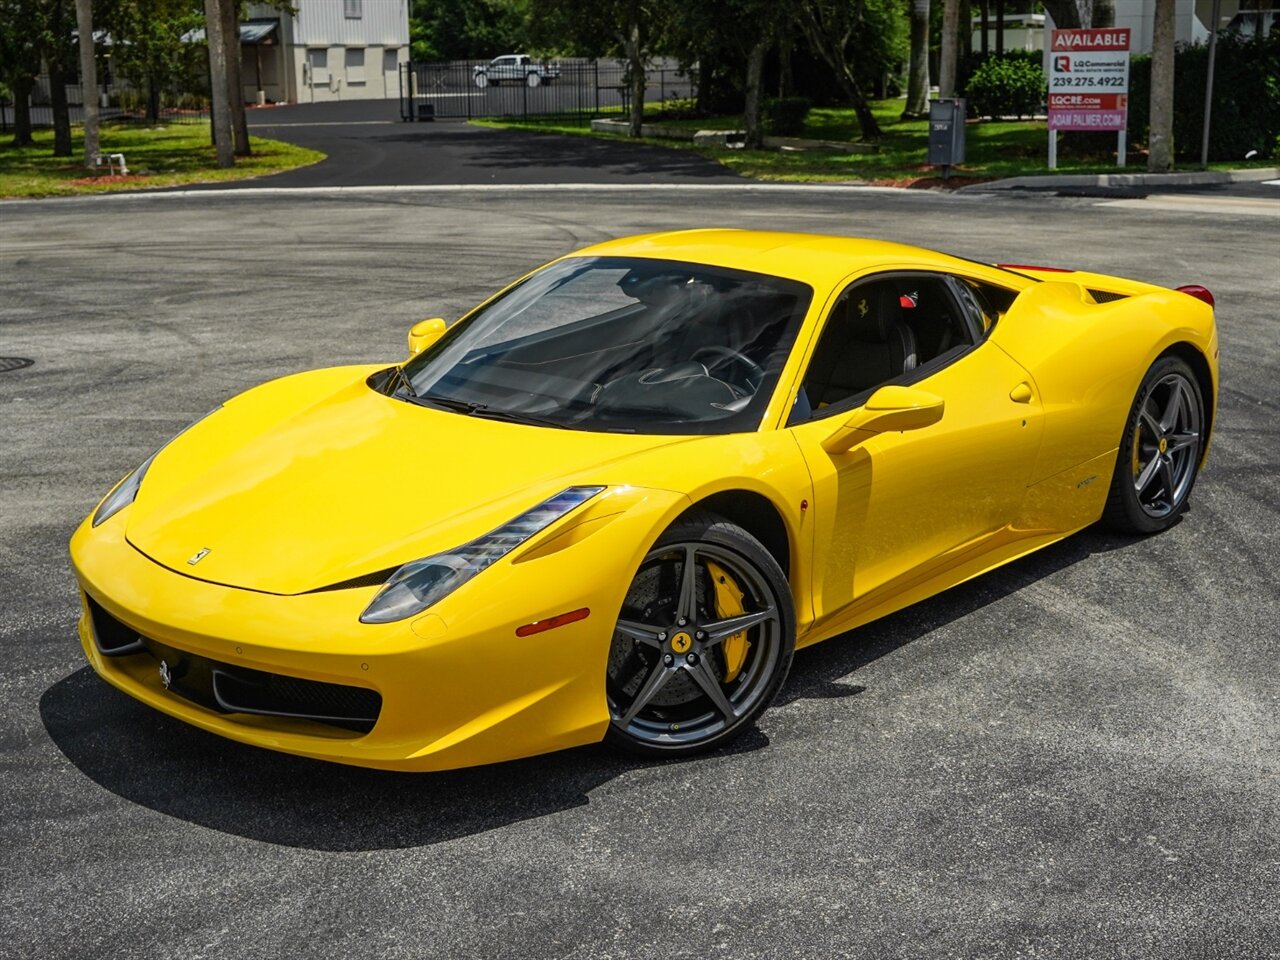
x,y
1089,84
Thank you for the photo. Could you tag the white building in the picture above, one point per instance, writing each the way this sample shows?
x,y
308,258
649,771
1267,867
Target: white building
x,y
1022,31
327,50
1025,31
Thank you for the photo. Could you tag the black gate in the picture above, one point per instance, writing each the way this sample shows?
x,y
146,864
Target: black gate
x,y
466,89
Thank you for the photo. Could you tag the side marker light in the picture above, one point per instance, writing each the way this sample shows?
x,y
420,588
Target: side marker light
x,y
559,620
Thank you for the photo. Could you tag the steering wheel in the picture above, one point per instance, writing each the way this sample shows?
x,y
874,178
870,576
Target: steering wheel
x,y
726,356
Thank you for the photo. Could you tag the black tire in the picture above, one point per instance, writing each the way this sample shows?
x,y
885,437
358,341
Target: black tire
x,y
1160,450
669,654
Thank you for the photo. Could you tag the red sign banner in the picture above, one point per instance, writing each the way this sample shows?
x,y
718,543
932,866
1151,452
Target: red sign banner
x,y
1088,101
1108,38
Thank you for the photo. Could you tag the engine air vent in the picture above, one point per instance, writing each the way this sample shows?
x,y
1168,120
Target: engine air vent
x,y
1107,296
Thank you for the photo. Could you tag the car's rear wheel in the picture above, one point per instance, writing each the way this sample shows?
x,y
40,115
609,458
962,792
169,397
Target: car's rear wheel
x,y
1160,451
533,80
703,642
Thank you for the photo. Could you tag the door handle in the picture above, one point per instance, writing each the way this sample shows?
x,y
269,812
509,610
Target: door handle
x,y
1021,393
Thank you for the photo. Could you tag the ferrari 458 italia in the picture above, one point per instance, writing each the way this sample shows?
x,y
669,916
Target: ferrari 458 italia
x,y
612,500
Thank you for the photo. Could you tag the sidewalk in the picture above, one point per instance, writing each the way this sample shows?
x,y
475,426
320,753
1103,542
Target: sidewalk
x,y
1195,178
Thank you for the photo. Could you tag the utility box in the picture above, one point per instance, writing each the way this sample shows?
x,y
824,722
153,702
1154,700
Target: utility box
x,y
946,132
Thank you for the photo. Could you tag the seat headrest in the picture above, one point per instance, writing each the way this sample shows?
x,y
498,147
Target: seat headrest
x,y
873,312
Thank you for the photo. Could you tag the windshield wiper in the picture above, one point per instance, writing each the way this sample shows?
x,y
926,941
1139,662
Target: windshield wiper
x,y
476,409
406,386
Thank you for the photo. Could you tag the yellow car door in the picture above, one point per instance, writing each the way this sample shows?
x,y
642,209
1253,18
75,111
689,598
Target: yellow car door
x,y
899,491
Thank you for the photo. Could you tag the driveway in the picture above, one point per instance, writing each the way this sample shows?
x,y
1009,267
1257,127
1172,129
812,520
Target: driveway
x,y
368,145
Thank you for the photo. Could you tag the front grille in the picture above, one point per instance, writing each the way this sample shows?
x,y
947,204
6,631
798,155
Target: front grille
x,y
230,689
112,637
1107,296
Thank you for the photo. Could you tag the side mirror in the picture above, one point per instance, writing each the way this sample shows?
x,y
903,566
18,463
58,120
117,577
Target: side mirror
x,y
424,333
888,409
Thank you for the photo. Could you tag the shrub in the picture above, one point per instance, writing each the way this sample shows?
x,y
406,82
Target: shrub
x,y
1006,88
784,117
1246,97
677,108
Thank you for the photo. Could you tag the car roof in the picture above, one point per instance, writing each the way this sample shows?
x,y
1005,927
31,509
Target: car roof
x,y
816,259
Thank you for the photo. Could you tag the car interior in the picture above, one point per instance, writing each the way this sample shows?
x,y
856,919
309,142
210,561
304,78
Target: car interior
x,y
890,330
675,344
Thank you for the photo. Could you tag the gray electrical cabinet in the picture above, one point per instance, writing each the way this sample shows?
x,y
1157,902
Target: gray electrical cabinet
x,y
946,132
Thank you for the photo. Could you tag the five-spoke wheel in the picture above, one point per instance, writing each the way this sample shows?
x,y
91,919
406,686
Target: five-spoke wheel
x,y
703,642
1161,450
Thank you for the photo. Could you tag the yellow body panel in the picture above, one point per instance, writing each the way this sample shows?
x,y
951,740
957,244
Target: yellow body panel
x,y
303,484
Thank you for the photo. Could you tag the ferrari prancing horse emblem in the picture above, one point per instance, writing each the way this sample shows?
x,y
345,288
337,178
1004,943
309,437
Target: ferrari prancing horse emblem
x,y
200,555
166,677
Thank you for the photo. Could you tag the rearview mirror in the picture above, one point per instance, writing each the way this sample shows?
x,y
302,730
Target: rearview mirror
x,y
888,409
424,333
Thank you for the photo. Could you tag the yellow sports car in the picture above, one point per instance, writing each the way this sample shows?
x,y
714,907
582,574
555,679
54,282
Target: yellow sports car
x,y
612,500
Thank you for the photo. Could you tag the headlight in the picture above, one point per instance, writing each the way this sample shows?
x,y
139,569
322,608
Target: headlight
x,y
124,493
419,584
127,489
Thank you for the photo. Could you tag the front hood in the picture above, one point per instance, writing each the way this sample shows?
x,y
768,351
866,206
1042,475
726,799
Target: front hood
x,y
316,479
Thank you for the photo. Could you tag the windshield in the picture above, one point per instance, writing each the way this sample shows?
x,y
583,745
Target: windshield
x,y
619,344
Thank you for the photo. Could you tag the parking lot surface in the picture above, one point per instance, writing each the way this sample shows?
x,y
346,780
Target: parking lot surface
x,y
368,145
1073,756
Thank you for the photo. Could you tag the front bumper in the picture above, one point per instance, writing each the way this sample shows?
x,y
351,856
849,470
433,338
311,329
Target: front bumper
x,y
456,686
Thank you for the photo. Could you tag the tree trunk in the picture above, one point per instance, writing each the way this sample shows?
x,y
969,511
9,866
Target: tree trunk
x,y
635,67
786,78
61,110
986,25
153,100
1065,14
999,29
88,81
918,72
1160,137
230,12
751,112
947,64
22,111
832,50
223,138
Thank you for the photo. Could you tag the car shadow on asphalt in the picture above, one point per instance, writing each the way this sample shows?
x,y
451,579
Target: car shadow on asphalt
x,y
152,760
823,671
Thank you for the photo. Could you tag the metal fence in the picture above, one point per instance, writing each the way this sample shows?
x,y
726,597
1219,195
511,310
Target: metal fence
x,y
466,89
122,103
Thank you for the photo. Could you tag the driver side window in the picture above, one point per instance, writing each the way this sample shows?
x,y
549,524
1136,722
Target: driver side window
x,y
890,329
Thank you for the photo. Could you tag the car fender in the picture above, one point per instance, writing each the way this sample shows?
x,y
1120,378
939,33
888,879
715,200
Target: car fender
x,y
1087,360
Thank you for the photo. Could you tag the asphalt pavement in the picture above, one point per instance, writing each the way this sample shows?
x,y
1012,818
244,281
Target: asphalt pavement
x,y
368,145
1074,756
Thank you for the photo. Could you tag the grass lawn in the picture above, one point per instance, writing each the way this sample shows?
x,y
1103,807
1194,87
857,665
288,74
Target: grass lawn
x,y
994,149
162,156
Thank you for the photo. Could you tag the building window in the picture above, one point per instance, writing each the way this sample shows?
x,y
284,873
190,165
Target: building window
x,y
355,64
353,9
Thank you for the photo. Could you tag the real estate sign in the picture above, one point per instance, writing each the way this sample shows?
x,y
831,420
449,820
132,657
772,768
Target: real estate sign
x,y
1089,79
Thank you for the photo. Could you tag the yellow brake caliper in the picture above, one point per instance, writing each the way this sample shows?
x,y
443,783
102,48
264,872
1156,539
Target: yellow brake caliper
x,y
729,604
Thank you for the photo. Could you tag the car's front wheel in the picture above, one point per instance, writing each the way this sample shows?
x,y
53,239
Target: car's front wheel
x,y
1160,451
482,80
703,642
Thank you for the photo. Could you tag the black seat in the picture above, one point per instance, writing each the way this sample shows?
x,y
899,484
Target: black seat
x,y
864,344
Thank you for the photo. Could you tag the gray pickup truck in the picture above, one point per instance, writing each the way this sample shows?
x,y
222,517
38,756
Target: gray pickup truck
x,y
514,68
